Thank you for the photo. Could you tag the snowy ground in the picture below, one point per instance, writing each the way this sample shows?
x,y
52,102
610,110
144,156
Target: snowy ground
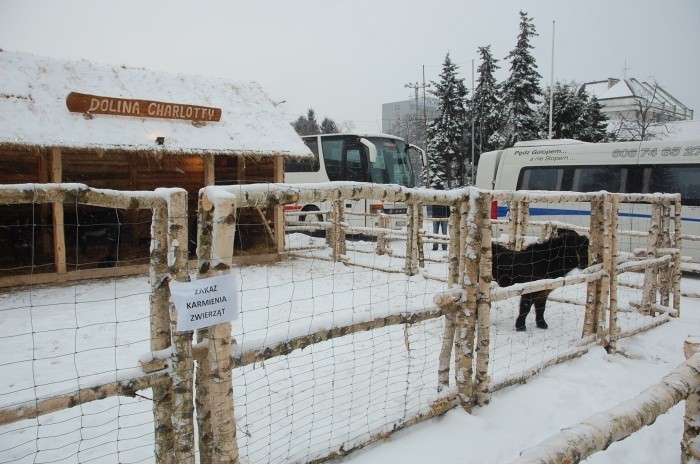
x,y
334,393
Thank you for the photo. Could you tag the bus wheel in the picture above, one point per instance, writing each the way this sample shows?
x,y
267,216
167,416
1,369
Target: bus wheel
x,y
313,218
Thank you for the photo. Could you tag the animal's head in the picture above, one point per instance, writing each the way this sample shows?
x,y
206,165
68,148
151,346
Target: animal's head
x,y
576,247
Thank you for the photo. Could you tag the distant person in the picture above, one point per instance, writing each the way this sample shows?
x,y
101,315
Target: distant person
x,y
442,212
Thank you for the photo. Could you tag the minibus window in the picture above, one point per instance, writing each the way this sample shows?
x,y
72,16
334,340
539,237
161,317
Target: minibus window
x,y
540,179
593,179
679,178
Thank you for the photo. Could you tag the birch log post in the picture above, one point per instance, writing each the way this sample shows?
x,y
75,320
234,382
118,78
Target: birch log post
x,y
611,268
453,276
420,233
678,245
337,217
203,371
465,320
664,242
513,218
218,340
483,237
160,333
651,272
182,363
523,220
604,250
595,256
690,445
381,237
411,264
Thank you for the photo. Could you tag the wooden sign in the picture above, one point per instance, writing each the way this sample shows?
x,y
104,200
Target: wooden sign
x,y
94,104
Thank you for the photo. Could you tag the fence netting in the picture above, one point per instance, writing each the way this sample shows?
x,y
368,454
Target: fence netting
x,y
343,339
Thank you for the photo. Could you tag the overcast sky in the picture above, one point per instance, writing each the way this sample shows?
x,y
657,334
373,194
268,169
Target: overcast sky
x,y
344,58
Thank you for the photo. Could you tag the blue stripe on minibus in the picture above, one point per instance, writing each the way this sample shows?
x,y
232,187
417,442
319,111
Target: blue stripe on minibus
x,y
503,212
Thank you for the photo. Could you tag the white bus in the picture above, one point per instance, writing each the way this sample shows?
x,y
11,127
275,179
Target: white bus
x,y
377,158
626,167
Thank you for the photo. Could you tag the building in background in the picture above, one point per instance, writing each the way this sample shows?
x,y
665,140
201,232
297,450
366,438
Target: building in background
x,y
637,110
406,119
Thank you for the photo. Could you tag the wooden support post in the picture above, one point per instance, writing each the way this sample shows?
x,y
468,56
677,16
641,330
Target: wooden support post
x,y
513,218
690,445
59,236
420,232
133,214
221,446
203,371
337,230
160,334
651,272
610,265
678,244
278,214
465,321
46,243
595,256
209,170
411,265
182,363
455,250
483,300
521,225
453,277
664,241
381,237
604,250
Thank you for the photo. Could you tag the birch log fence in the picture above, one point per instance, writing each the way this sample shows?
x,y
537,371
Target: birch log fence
x,y
295,379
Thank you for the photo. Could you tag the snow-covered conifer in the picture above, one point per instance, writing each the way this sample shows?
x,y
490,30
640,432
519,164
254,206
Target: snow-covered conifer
x,y
485,104
521,91
446,133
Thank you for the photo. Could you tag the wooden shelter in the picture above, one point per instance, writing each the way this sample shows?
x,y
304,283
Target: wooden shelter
x,y
122,128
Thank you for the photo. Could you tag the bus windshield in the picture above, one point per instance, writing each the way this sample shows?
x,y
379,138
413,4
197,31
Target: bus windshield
x,y
392,165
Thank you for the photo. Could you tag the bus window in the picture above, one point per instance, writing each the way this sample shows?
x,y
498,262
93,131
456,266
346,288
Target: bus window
x,y
354,171
593,179
392,165
304,165
677,178
540,179
332,157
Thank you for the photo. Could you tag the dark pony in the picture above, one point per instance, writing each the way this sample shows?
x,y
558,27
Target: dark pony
x,y
550,259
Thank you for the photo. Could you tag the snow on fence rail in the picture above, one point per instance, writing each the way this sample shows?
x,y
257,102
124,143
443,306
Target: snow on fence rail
x,y
575,444
39,356
347,342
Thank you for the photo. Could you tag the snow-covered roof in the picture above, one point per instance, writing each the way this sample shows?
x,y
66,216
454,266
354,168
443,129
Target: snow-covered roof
x,y
34,112
603,90
628,88
680,130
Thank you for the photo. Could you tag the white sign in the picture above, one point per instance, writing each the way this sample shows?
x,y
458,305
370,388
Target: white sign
x,y
205,302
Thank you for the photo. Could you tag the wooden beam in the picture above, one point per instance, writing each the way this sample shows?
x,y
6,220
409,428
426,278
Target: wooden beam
x,y
209,171
44,210
59,237
278,217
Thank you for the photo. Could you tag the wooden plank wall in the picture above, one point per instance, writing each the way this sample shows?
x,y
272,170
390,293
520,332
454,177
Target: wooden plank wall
x,y
124,171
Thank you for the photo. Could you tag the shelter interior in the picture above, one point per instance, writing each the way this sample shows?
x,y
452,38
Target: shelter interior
x,y
99,238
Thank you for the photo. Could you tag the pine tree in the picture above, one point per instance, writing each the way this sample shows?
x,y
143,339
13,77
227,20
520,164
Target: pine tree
x,y
568,118
485,104
597,130
577,115
521,91
307,125
446,133
328,126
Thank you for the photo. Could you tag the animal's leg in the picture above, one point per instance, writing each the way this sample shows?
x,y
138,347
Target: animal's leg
x,y
540,300
525,304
